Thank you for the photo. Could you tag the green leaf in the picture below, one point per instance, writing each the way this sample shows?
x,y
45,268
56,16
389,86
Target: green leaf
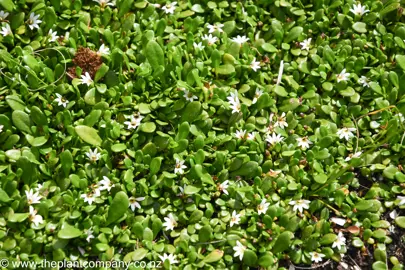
x,y
320,178
66,159
119,147
400,221
18,217
360,27
266,260
7,5
225,69
69,232
269,47
31,62
15,103
155,165
191,112
22,121
118,207
282,243
293,34
279,90
36,141
249,257
148,127
328,239
144,108
102,70
88,135
136,255
4,196
400,59
38,117
214,256
154,54
124,7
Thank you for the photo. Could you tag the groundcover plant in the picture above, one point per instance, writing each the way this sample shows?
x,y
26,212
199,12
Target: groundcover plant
x,y
203,134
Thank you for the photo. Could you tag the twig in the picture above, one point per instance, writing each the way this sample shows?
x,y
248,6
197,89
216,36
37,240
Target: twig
x,y
312,267
358,133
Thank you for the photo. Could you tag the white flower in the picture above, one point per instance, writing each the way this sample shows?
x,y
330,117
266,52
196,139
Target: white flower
x,y
340,241
281,121
179,168
52,35
359,9
239,250
169,8
305,44
338,221
401,200
346,133
280,72
224,187
91,196
240,134
274,138
86,79
33,198
170,222
3,15
39,187
255,65
342,76
355,155
216,27
210,39
235,103
263,207
300,205
198,46
1,128
394,214
401,117
106,184
93,155
61,100
258,93
103,50
36,219
33,21
391,229
90,235
235,218
251,136
6,30
240,39
364,81
134,122
104,3
134,202
170,257
304,142
316,257
189,95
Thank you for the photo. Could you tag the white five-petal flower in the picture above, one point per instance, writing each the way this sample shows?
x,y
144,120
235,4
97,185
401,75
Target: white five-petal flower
x,y
91,196
304,142
53,36
258,93
6,30
251,136
93,155
169,8
170,257
106,184
355,155
170,222
305,44
134,122
255,65
189,96
240,134
104,3
239,250
359,9
240,39
342,76
216,27
346,133
33,21
300,205
224,187
198,46
363,80
235,103
210,39
401,200
61,100
340,241
103,50
281,121
90,235
179,167
274,138
33,198
235,218
86,79
316,257
134,202
263,207
36,219
3,15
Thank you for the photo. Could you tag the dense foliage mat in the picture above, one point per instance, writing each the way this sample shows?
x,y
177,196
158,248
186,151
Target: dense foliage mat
x,y
204,134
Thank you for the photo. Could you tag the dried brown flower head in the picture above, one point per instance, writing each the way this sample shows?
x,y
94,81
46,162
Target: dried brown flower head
x,y
88,60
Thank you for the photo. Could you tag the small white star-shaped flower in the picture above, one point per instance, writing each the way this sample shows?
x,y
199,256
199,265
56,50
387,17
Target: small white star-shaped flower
x,y
86,79
346,133
240,39
189,96
316,257
240,134
52,36
104,3
103,50
359,9
134,202
90,197
169,8
1,128
134,122
61,100
340,241
239,250
33,21
235,103
93,155
281,121
355,155
34,218
304,142
258,93
170,222
274,138
179,167
216,27
3,15
342,76
251,136
364,81
224,187
198,46
300,205
401,200
106,184
305,44
90,235
235,218
170,257
255,65
263,207
6,30
210,39
33,198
